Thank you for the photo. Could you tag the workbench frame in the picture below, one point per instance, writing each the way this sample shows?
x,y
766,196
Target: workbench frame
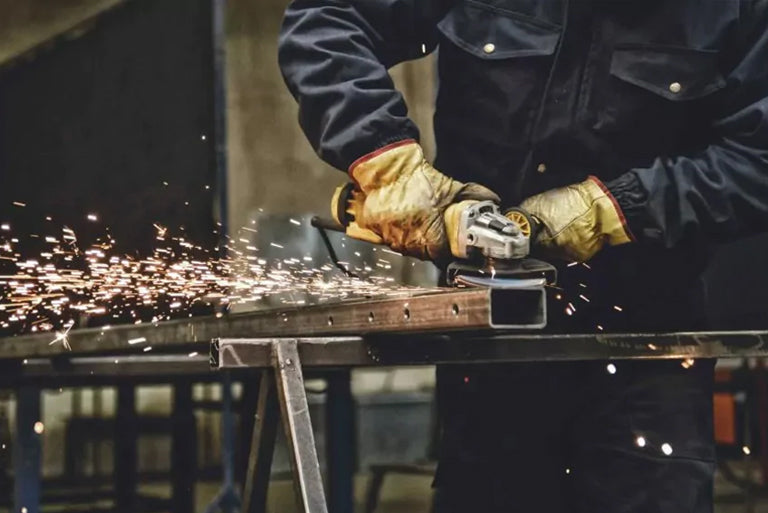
x,y
282,397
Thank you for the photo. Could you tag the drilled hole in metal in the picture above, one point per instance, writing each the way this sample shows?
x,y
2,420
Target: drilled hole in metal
x,y
330,320
455,309
370,317
406,314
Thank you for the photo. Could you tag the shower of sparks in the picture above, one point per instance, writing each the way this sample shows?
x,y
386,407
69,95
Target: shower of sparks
x,y
69,284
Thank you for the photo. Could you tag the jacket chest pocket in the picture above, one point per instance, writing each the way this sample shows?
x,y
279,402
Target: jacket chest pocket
x,y
494,62
661,94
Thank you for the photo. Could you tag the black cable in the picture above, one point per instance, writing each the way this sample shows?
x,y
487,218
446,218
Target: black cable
x,y
332,252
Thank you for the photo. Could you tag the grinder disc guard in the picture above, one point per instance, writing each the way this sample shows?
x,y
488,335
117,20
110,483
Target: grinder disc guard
x,y
502,274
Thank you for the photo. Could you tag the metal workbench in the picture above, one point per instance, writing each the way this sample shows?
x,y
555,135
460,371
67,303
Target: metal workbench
x,y
447,327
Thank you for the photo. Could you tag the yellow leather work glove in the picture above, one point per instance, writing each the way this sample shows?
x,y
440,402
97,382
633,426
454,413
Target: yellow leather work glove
x,y
578,220
404,200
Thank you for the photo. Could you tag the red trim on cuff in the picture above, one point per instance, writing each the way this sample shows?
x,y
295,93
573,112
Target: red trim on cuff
x,y
623,219
378,152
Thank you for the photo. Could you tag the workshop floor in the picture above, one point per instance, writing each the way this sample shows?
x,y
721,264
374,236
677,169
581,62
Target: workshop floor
x,y
409,494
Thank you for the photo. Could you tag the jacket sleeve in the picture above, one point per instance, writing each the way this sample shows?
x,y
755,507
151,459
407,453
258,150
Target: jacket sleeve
x,y
720,192
334,56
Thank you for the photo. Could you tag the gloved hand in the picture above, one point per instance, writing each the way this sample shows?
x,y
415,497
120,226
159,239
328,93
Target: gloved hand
x,y
406,201
578,220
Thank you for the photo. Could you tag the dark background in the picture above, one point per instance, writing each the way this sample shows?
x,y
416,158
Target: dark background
x,y
738,285
98,123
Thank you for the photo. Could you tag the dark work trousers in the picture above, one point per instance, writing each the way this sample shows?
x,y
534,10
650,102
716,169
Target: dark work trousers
x,y
576,437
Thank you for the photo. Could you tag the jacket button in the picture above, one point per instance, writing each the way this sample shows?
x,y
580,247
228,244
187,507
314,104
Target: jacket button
x,y
675,87
489,48
541,168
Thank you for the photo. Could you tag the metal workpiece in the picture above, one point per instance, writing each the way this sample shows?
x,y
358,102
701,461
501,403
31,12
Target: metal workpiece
x,y
500,347
443,310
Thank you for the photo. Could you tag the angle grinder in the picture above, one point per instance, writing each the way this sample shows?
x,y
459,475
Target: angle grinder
x,y
493,247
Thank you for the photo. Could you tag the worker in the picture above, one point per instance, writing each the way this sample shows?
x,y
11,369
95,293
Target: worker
x,y
636,131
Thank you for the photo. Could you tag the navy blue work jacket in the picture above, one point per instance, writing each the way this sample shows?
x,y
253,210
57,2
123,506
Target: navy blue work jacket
x,y
665,100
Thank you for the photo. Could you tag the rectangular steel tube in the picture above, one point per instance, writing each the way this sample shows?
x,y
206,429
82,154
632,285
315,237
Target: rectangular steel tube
x,y
449,310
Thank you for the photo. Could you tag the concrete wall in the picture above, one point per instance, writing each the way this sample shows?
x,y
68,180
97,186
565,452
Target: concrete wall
x,y
271,165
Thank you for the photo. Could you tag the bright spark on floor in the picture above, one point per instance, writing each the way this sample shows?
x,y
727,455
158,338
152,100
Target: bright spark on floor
x,y
640,441
666,449
63,337
611,368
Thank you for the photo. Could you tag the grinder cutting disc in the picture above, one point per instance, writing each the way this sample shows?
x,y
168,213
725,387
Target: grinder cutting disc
x,y
524,273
